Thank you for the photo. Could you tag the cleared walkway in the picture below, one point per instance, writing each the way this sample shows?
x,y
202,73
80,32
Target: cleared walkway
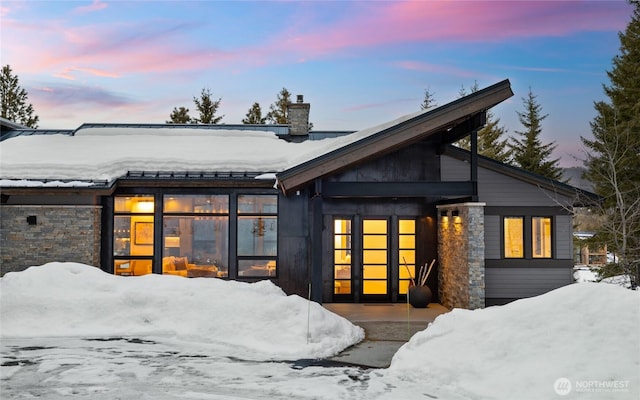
x,y
387,327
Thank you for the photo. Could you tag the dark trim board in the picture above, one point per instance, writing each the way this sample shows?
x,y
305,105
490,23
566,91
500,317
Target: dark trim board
x,y
489,302
523,263
396,189
526,211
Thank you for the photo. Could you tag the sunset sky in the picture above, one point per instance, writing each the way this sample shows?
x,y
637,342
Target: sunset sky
x,y
358,63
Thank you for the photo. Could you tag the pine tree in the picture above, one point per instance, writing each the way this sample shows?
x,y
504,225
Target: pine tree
x,y
613,156
490,143
278,113
179,116
429,101
254,115
528,152
207,108
14,100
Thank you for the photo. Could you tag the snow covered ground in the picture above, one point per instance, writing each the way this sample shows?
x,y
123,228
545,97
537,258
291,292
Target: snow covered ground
x,y
71,331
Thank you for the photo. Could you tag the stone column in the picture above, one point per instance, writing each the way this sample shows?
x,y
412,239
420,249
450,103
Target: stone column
x,y
461,255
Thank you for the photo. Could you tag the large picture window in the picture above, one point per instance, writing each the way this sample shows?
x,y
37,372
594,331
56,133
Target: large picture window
x,y
195,234
257,235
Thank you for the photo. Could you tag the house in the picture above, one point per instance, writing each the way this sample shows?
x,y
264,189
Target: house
x,y
350,217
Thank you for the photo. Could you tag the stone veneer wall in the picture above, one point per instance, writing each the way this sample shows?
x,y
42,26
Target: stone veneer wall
x,y
461,256
62,233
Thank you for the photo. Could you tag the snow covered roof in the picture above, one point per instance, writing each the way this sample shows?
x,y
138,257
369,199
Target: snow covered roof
x,y
104,154
99,155
451,121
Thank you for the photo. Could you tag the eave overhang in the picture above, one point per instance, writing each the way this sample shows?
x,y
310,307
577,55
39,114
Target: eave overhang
x,y
446,120
178,179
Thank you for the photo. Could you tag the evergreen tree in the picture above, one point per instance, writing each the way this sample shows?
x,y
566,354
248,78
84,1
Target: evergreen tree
x,y
613,156
14,100
490,143
278,113
528,151
254,115
429,101
207,108
179,116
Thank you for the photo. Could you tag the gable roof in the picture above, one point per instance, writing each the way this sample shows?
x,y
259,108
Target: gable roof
x,y
449,120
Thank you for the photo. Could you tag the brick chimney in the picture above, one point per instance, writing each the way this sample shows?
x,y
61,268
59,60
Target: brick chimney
x,y
299,117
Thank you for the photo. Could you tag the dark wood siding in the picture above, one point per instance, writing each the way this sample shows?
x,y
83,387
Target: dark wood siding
x,y
418,162
293,244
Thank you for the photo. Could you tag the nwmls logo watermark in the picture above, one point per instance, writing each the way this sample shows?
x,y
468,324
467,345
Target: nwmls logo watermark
x,y
563,386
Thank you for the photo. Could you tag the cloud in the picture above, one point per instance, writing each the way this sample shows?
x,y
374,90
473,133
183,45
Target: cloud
x,y
96,5
366,106
68,73
109,50
60,95
435,68
373,24
121,48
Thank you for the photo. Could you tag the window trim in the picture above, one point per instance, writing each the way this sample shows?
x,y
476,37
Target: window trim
x,y
528,237
523,239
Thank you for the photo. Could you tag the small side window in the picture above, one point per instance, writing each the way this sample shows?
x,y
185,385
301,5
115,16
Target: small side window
x,y
514,237
541,237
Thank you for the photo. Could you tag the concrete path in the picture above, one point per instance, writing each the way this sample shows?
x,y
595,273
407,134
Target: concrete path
x,y
387,327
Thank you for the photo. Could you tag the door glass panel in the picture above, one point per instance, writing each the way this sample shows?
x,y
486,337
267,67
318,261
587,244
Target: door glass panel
x,y
375,256
406,253
374,287
408,256
375,241
407,226
342,256
374,272
374,226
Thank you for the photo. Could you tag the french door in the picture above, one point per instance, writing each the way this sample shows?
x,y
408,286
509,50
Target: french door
x,y
373,258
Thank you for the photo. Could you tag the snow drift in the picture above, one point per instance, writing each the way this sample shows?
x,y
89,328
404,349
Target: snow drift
x,y
249,320
584,332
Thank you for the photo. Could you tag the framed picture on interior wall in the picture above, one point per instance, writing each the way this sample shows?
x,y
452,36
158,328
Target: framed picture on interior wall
x,y
144,233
